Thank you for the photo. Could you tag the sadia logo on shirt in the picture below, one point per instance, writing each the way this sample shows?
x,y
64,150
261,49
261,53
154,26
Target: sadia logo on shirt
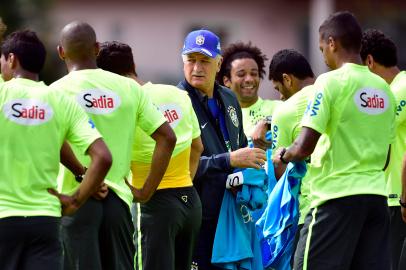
x,y
371,101
172,113
28,112
97,101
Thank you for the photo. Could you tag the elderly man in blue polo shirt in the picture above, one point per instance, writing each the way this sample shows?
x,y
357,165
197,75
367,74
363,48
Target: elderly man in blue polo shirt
x,y
220,119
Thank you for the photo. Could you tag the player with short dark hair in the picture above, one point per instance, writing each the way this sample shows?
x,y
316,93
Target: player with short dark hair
x,y
348,225
171,219
99,235
242,70
379,53
35,120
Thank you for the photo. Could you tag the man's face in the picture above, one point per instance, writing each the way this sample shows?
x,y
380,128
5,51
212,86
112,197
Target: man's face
x,y
283,91
200,71
6,72
327,53
244,79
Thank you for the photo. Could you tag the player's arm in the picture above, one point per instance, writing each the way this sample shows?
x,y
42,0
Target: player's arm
x,y
258,135
165,140
69,160
100,164
195,153
301,148
403,195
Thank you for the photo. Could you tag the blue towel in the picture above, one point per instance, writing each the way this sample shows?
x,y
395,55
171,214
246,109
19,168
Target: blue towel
x,y
236,245
277,226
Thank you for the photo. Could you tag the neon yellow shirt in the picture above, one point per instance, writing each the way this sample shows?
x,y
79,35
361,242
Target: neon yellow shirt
x,y
394,171
1,79
257,111
35,121
177,108
354,110
286,126
116,105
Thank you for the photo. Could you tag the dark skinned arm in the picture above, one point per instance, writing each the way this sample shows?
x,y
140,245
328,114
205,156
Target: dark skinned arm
x,y
195,153
301,148
69,160
100,164
165,140
403,195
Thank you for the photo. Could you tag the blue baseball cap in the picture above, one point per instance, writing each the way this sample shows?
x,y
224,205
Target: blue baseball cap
x,y
202,41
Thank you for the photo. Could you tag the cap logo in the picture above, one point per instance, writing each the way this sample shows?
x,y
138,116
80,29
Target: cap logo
x,y
200,40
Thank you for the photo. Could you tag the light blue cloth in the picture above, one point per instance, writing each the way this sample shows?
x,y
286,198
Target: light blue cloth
x,y
277,226
236,245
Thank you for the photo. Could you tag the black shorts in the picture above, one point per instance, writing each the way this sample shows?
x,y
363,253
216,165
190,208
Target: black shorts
x,y
30,243
397,232
170,223
99,236
346,233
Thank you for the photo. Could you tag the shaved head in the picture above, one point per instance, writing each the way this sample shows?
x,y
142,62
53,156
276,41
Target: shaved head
x,y
78,40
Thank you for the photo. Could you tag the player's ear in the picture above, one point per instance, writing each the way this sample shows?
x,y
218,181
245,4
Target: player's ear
x,y
61,52
96,48
226,81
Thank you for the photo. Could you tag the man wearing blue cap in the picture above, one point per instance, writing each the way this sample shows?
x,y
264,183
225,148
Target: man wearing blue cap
x,y
220,119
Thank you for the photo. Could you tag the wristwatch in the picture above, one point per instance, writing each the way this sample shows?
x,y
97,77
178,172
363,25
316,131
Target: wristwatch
x,y
79,178
403,204
268,121
281,156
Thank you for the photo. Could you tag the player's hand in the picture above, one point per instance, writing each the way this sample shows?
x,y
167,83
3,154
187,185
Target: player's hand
x,y
247,158
258,135
403,210
70,204
138,195
101,193
279,166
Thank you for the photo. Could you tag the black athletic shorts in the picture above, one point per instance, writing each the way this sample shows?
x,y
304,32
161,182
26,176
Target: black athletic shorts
x,y
28,243
170,223
345,233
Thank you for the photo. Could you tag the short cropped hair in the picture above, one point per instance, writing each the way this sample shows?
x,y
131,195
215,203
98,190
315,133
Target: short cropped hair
x,y
241,50
289,62
381,47
343,27
116,57
29,50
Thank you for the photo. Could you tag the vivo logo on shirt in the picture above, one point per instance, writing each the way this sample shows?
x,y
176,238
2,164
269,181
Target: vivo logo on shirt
x,y
371,101
172,113
28,112
97,101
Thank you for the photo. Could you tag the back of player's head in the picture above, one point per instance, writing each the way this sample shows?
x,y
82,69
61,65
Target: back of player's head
x,y
381,47
28,49
78,40
343,27
289,62
116,57
241,50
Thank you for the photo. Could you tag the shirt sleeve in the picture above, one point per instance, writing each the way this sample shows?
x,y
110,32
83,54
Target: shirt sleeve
x,y
81,131
318,112
149,118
